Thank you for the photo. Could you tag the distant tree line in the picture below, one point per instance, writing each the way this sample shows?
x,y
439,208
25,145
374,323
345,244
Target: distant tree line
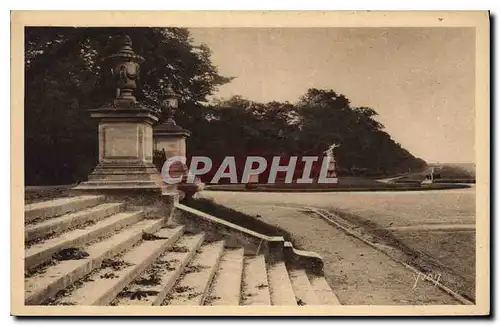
x,y
241,127
64,79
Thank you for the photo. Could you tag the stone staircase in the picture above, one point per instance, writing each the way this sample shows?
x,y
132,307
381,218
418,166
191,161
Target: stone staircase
x,y
87,251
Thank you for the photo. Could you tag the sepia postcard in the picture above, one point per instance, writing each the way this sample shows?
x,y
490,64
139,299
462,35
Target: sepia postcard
x,y
250,163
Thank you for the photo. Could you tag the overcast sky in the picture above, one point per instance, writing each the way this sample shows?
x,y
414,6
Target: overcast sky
x,y
419,80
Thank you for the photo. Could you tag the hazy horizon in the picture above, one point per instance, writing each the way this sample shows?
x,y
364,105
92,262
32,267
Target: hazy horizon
x,y
420,80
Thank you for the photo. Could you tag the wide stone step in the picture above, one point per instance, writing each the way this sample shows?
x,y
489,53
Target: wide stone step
x,y
166,269
226,287
280,287
43,252
304,292
255,289
112,184
106,283
41,287
323,290
56,225
57,207
193,286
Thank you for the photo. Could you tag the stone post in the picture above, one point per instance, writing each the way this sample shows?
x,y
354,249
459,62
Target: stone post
x,y
171,138
125,132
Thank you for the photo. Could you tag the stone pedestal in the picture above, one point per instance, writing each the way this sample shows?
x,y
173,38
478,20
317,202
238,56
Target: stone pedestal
x,y
125,150
332,169
171,138
173,142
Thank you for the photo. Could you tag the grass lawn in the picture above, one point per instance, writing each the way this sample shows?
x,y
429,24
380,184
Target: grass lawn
x,y
456,252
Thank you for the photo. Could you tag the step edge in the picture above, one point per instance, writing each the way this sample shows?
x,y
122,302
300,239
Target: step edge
x,y
311,298
170,284
40,295
39,257
199,300
330,297
43,228
280,267
262,263
240,283
212,273
107,297
32,211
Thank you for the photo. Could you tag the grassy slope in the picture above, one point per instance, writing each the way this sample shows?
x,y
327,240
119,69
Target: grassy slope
x,y
233,216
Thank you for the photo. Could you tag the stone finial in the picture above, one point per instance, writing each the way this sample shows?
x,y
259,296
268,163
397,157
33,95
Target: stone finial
x,y
169,103
125,70
126,45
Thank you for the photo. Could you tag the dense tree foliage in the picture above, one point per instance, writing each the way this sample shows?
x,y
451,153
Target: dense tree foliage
x,y
241,127
64,79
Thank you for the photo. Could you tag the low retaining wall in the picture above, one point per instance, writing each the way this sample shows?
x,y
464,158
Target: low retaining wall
x,y
343,188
